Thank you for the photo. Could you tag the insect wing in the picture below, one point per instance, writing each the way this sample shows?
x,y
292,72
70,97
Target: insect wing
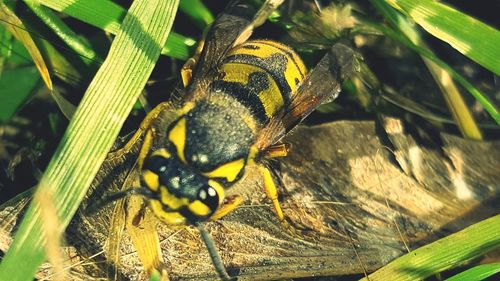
x,y
321,85
232,27
221,37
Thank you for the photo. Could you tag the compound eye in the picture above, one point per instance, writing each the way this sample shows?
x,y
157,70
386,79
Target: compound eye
x,y
209,196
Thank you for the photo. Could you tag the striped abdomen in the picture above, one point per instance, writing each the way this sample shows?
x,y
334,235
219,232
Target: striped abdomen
x,y
257,79
262,75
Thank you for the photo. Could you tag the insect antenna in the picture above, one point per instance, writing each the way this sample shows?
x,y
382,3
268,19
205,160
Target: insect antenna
x,y
212,251
94,207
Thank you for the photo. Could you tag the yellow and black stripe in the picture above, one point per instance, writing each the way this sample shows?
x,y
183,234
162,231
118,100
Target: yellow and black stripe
x,y
262,75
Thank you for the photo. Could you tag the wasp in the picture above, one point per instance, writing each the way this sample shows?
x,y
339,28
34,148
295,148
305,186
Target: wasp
x,y
240,98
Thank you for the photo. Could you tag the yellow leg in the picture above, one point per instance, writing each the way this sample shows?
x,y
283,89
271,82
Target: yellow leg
x,y
272,191
146,146
231,203
145,124
187,71
188,67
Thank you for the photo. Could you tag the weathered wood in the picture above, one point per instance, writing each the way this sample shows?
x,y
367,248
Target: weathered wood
x,y
356,203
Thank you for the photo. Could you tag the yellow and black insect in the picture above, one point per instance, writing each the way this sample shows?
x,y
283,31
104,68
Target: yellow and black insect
x,y
240,98
214,136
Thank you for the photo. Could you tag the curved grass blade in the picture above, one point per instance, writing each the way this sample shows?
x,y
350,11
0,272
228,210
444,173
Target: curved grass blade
x,y
198,12
469,36
5,46
456,104
479,272
93,129
476,93
60,65
16,86
20,33
107,15
62,30
465,245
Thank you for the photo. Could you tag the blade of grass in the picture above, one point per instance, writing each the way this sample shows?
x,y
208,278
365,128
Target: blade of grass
x,y
476,93
62,30
198,12
5,46
16,86
457,106
107,15
465,245
66,35
20,33
92,131
469,36
479,272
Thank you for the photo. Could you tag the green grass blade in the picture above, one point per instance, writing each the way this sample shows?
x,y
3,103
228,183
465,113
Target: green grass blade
x,y
16,86
198,12
456,104
15,26
469,36
476,93
5,46
179,46
62,30
92,131
107,15
465,245
477,273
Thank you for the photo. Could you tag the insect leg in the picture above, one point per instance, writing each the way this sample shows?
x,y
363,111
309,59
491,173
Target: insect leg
x,y
146,146
272,192
230,204
187,71
141,226
110,198
145,124
188,67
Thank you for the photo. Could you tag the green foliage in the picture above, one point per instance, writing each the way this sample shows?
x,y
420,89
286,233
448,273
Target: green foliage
x,y
62,30
198,12
16,83
446,253
107,15
92,130
17,86
406,34
477,273
466,34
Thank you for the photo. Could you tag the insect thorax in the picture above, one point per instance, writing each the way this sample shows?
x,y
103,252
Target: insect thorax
x,y
218,130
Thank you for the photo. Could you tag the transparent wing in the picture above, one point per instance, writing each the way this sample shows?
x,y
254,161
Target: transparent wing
x,y
232,27
321,85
